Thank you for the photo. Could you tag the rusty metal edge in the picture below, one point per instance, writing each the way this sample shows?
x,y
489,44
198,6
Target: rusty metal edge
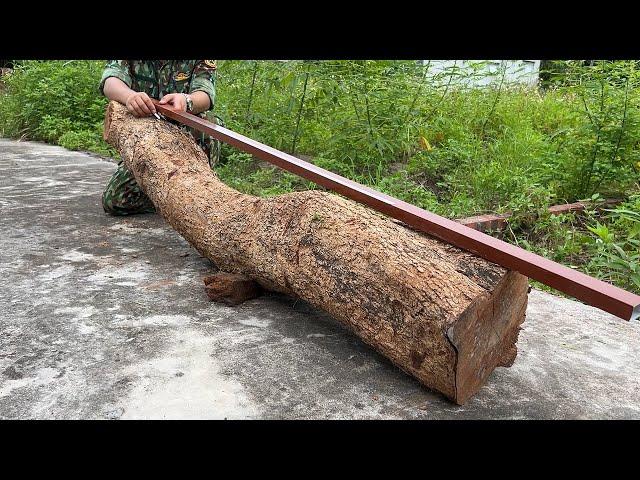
x,y
597,293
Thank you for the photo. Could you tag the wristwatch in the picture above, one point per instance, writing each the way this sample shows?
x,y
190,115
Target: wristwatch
x,y
189,101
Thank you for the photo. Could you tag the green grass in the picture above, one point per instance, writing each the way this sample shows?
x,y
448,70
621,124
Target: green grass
x,y
457,152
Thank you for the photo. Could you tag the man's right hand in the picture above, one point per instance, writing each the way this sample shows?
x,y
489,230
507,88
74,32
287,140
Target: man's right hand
x,y
139,104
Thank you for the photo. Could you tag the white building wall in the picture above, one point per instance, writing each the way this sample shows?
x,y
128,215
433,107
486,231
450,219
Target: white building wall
x,y
484,72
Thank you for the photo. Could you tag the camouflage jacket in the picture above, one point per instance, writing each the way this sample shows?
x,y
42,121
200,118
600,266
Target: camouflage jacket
x,y
159,77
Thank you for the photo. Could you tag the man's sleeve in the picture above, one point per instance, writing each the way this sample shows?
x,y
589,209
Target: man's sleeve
x,y
118,69
204,79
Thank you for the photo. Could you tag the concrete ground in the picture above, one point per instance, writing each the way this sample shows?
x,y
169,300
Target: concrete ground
x,y
107,318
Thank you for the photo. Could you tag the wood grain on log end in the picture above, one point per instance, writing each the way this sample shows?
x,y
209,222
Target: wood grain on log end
x,y
485,335
231,288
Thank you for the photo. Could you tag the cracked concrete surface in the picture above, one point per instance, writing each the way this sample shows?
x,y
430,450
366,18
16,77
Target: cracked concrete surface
x,y
107,318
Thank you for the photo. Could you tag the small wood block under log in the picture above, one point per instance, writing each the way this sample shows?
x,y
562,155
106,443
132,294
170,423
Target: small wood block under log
x,y
231,288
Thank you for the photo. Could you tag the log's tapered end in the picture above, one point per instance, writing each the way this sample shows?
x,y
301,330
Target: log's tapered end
x,y
107,122
112,109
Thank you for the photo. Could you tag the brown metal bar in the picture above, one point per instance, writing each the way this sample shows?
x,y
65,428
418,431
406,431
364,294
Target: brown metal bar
x,y
595,292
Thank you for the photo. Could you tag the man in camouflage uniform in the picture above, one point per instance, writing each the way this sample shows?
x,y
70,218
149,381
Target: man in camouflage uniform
x,y
188,85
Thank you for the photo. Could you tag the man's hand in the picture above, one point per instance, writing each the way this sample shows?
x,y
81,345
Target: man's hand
x,y
140,104
176,100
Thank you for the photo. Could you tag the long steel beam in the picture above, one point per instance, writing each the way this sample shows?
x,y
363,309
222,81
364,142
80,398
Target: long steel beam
x,y
597,293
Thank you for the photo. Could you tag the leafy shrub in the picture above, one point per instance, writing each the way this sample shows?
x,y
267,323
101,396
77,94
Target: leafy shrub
x,y
614,249
56,102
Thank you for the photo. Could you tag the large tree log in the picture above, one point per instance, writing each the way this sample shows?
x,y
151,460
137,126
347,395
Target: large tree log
x,y
443,315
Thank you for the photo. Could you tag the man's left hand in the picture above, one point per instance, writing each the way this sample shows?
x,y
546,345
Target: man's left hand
x,y
176,100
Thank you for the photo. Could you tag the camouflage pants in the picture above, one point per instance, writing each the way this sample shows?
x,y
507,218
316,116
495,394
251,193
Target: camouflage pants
x,y
123,196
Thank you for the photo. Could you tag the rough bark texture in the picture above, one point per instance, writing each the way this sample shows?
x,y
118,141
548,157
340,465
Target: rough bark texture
x,y
231,288
441,314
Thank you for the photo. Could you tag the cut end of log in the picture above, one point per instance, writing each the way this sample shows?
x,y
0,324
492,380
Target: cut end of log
x,y
485,335
231,288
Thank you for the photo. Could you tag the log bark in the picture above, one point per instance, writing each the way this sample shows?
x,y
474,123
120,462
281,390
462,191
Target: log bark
x,y
443,315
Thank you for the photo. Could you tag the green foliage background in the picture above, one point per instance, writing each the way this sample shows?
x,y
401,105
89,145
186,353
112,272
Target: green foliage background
x,y
57,102
424,138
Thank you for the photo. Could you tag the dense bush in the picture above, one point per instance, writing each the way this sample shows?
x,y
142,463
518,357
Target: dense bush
x,y
421,137
56,102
